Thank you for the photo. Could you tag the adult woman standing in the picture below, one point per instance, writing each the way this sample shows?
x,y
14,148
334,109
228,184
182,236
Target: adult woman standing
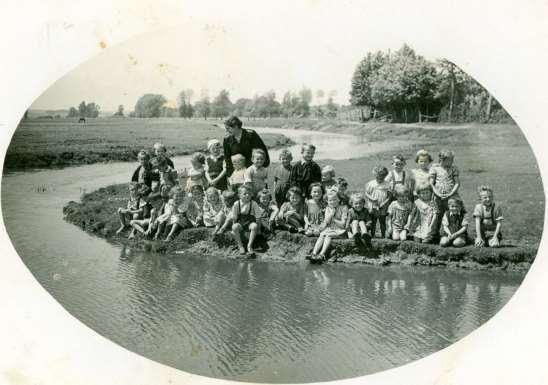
x,y
241,141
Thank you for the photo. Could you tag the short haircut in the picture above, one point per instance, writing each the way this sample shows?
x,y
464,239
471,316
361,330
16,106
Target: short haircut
x,y
328,169
458,202
245,187
380,171
357,197
143,154
285,153
422,154
198,157
485,188
333,194
211,143
160,146
197,188
256,151
228,196
212,191
233,122
294,191
306,146
443,154
342,182
399,157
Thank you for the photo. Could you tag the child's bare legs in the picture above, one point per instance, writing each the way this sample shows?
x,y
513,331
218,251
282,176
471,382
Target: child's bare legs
x,y
159,230
132,232
456,242
140,224
354,229
459,242
325,247
318,245
122,215
174,229
382,221
253,229
236,231
399,235
219,222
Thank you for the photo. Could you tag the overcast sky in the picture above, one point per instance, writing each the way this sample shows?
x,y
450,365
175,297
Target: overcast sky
x,y
315,44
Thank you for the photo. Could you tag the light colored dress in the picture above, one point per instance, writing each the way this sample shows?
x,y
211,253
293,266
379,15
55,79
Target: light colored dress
x,y
444,179
420,177
196,177
257,177
237,177
314,212
399,214
194,210
379,192
424,219
333,229
211,212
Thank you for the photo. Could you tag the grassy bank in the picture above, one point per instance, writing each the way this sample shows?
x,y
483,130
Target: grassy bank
x,y
63,142
96,213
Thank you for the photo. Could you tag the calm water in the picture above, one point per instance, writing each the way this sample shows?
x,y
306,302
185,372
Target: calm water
x,y
264,322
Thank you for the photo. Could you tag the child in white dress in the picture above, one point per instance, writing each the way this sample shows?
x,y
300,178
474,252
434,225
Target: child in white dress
x,y
256,174
378,194
424,216
314,210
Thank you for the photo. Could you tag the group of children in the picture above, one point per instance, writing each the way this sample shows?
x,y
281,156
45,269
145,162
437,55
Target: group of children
x,y
422,203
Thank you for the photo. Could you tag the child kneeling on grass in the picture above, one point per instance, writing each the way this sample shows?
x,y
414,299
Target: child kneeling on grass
x,y
245,215
488,218
333,226
291,214
454,224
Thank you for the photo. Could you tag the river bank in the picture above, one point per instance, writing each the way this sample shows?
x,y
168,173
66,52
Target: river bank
x,y
64,142
96,213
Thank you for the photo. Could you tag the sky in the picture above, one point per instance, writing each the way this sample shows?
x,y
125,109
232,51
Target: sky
x,y
314,43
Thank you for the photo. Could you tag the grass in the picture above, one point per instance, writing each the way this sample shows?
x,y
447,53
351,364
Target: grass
x,y
45,143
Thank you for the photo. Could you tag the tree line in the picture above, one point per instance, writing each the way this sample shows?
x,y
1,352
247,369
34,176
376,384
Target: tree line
x,y
405,87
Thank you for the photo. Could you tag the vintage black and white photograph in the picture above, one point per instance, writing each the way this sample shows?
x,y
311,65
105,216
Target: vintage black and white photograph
x,y
261,207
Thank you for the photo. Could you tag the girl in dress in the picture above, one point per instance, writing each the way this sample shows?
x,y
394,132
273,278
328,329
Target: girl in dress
x,y
282,174
215,167
424,216
398,214
196,175
134,209
314,211
420,175
359,221
454,224
236,180
245,215
291,214
333,226
213,207
195,206
378,194
174,214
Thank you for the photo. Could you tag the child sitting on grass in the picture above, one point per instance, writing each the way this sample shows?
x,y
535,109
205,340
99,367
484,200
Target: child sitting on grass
x,y
305,172
454,224
377,193
328,179
174,214
424,216
314,211
444,179
257,174
133,210
225,217
236,180
270,210
398,214
282,174
215,166
245,215
359,221
420,175
213,207
166,174
195,206
196,175
488,218
333,226
291,214
147,225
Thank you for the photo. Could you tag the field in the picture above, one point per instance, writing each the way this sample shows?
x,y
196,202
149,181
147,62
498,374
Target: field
x,y
42,143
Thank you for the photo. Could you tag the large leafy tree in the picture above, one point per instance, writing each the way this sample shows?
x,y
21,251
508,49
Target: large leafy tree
x,y
203,107
221,106
149,106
